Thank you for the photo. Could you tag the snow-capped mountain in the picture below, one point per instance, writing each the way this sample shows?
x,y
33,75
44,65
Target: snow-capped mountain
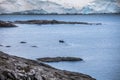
x,y
102,6
33,6
48,7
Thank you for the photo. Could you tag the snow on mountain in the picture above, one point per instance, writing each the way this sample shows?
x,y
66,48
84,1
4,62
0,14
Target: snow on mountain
x,y
102,6
72,3
48,7
33,6
34,11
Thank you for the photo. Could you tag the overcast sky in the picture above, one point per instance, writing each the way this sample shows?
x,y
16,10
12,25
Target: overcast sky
x,y
72,3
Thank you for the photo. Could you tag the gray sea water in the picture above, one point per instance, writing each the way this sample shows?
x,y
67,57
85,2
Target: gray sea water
x,y
98,45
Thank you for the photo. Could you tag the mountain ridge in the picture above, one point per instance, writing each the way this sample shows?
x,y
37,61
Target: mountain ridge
x,y
48,7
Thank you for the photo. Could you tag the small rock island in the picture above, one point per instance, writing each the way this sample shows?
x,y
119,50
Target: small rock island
x,y
53,22
59,59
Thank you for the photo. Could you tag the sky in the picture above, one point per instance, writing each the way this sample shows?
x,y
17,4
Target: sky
x,y
72,3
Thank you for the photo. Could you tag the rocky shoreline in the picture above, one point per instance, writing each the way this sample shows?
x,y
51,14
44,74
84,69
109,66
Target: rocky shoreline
x,y
59,59
7,24
17,68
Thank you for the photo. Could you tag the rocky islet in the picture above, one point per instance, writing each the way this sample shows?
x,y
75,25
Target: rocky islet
x,y
59,59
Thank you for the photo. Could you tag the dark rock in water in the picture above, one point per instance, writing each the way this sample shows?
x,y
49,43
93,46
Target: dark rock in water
x,y
7,46
17,68
98,23
61,41
1,45
59,59
34,46
23,42
53,22
7,24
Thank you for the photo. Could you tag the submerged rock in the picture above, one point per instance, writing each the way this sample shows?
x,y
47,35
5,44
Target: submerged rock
x,y
53,22
34,46
7,24
8,46
59,59
23,42
1,45
17,68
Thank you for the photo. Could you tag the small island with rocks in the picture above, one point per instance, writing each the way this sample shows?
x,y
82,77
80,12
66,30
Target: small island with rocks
x,y
8,24
53,22
59,59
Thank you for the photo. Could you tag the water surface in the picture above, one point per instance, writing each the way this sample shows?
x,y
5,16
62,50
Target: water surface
x,y
98,45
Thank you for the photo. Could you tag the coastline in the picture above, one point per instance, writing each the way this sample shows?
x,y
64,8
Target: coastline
x,y
61,14
17,68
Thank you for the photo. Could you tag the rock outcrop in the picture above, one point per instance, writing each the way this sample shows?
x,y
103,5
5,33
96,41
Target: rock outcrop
x,y
53,22
6,24
17,68
59,59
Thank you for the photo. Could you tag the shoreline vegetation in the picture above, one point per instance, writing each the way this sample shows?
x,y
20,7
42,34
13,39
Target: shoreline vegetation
x,y
17,68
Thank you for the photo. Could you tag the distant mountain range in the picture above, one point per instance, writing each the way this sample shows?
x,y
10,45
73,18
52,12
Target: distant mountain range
x,y
48,7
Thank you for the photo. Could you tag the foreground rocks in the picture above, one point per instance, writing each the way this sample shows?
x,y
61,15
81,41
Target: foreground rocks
x,y
53,22
58,59
16,68
6,24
